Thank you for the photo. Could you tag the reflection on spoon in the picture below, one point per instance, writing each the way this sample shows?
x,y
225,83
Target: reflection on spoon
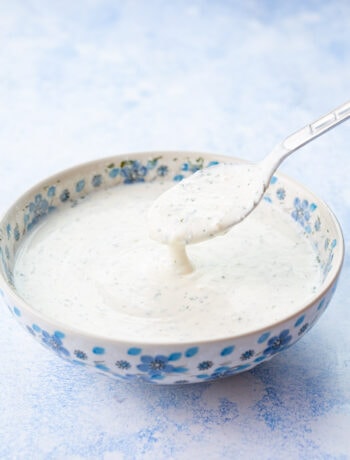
x,y
214,199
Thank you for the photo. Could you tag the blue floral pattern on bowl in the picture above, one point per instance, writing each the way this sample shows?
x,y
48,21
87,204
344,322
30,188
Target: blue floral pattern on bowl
x,y
165,363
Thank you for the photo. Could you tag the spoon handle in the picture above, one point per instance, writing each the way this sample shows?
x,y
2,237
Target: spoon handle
x,y
305,135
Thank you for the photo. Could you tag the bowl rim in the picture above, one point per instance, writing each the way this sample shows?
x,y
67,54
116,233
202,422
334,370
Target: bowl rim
x,y
72,330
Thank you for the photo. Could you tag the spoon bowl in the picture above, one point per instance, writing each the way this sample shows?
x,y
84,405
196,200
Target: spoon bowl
x,y
183,215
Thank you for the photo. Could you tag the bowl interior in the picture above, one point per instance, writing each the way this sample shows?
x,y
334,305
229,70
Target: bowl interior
x,y
303,209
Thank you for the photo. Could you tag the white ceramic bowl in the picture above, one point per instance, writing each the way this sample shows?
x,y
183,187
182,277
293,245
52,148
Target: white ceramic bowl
x,y
162,362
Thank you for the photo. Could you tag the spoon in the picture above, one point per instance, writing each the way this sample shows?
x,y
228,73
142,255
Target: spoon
x,y
216,198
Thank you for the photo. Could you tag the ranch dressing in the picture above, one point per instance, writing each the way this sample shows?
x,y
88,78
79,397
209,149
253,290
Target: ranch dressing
x,y
93,266
204,205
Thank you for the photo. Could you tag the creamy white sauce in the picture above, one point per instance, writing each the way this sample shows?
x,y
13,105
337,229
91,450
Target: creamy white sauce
x,y
207,203
94,267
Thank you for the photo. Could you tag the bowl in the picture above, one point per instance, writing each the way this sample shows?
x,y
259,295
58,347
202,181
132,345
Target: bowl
x,y
155,359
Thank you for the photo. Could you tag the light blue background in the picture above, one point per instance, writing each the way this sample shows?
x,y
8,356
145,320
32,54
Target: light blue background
x,y
86,79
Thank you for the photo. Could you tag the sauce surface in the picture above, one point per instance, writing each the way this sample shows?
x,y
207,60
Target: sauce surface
x,y
94,267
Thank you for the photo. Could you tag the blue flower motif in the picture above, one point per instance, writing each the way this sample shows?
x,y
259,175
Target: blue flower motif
x,y
157,366
263,337
191,352
247,355
30,330
281,193
205,365
260,359
321,304
151,164
96,180
113,172
102,367
278,343
122,364
133,171
98,350
317,225
16,233
80,354
37,209
162,170
5,255
51,191
299,321
134,351
65,195
79,186
303,329
225,371
54,342
186,167
17,311
36,329
192,167
302,213
327,265
174,356
227,350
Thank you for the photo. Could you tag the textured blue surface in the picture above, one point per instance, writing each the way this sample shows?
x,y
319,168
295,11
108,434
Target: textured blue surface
x,y
81,80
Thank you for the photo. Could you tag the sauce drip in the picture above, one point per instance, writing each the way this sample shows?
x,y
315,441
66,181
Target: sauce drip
x,y
204,205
